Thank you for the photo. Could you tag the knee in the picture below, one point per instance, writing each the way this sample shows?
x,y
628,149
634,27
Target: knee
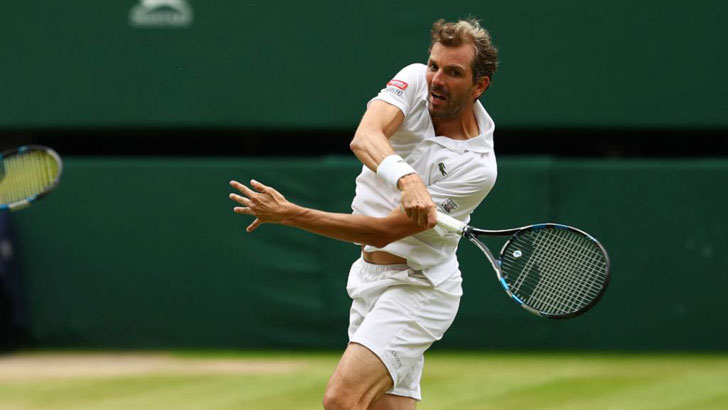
x,y
333,401
337,399
330,402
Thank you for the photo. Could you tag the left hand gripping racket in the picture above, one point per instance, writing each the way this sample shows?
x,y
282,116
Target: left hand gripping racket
x,y
27,174
553,271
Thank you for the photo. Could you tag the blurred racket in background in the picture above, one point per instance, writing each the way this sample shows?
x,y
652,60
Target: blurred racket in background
x,y
27,173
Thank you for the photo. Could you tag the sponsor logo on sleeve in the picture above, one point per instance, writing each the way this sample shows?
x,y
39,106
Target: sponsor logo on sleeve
x,y
394,91
396,87
398,84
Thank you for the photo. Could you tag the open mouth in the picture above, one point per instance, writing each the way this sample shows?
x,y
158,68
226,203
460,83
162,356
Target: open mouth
x,y
437,96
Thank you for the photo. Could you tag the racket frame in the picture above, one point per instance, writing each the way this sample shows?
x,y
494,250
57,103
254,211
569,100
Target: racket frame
x,y
24,203
472,235
453,225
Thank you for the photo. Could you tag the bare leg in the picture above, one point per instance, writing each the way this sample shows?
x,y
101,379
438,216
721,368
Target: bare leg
x,y
392,402
360,379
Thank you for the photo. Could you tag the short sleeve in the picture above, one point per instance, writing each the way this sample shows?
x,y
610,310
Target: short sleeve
x,y
402,90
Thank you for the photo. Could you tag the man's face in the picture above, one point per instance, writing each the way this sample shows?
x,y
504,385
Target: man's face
x,y
450,80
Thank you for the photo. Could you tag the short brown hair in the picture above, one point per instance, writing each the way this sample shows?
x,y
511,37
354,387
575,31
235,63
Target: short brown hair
x,y
468,31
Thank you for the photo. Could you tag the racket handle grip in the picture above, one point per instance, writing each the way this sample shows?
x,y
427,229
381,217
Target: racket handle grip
x,y
450,224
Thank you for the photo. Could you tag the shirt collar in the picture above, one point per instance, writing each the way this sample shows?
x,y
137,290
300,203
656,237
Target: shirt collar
x,y
483,143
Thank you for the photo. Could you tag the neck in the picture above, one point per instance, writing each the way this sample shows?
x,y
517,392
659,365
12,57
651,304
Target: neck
x,y
461,127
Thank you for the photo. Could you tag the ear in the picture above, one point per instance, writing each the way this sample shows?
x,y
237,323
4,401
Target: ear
x,y
480,86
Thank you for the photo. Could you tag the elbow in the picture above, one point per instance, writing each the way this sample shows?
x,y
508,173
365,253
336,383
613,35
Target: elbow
x,y
356,144
361,142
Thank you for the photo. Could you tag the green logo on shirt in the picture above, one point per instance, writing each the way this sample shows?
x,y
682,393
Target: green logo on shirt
x,y
442,168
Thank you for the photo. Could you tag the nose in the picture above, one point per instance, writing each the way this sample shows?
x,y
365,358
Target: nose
x,y
437,78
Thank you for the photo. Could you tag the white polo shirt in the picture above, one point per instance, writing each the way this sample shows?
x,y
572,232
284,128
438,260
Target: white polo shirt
x,y
457,173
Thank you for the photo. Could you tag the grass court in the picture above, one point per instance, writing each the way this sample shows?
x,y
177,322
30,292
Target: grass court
x,y
281,381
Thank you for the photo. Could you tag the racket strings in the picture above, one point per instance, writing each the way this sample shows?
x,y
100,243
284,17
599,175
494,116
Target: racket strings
x,y
555,294
26,175
559,271
567,297
560,299
531,260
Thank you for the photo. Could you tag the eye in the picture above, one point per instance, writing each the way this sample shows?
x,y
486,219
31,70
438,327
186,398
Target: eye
x,y
455,73
433,67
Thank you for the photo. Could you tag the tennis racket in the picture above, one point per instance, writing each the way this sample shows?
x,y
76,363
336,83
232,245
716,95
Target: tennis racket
x,y
553,271
27,174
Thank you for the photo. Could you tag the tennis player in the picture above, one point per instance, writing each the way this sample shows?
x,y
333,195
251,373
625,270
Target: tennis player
x,y
426,143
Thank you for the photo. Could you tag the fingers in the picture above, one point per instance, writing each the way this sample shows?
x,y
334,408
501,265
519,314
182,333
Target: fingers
x,y
260,187
265,189
422,213
235,184
417,202
427,218
242,188
240,199
432,218
251,227
422,217
247,200
243,210
249,193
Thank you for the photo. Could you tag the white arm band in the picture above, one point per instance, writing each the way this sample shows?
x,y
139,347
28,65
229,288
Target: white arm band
x,y
393,168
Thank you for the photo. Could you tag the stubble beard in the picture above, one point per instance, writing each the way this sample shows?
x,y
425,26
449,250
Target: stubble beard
x,y
454,107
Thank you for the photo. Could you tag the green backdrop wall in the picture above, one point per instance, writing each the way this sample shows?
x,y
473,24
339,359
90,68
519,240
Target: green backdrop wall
x,y
290,65
147,253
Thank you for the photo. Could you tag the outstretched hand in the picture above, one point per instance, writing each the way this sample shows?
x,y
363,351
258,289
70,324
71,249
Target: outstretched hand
x,y
263,202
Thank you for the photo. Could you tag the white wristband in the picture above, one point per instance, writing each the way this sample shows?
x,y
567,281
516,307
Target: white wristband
x,y
393,168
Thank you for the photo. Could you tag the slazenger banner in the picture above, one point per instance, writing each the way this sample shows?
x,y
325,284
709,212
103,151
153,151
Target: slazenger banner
x,y
161,13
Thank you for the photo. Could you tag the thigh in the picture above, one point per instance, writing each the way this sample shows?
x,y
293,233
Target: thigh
x,y
405,321
360,376
392,402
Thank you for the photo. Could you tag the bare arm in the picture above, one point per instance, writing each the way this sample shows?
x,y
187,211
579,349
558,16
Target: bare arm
x,y
371,146
371,140
269,206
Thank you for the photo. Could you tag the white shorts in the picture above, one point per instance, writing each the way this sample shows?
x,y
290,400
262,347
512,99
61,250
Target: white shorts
x,y
397,314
